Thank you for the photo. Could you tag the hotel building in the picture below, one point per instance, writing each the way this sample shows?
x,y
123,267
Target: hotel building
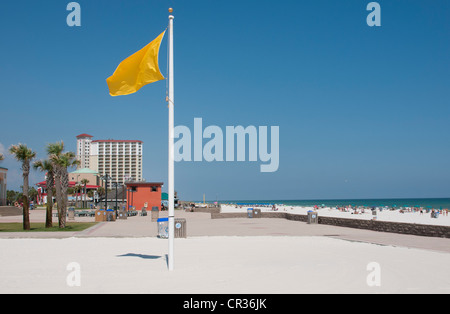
x,y
83,149
120,159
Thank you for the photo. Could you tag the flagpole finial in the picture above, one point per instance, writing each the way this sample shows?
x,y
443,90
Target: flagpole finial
x,y
170,10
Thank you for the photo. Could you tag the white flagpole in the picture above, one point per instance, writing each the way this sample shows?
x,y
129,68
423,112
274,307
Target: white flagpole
x,y
171,148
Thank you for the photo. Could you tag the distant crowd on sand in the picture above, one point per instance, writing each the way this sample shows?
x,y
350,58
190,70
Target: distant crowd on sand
x,y
434,213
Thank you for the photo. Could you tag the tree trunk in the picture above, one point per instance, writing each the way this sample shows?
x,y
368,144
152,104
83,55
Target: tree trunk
x,y
59,201
26,207
64,186
50,183
48,217
26,213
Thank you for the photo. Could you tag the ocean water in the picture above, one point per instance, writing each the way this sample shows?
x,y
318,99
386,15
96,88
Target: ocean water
x,y
394,202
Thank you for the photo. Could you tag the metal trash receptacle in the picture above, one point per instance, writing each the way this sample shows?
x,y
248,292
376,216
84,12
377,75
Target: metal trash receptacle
x,y
250,212
257,213
155,213
110,215
123,214
313,217
163,228
180,228
100,215
71,213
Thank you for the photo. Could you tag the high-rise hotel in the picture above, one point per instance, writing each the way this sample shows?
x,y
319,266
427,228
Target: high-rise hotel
x,y
120,159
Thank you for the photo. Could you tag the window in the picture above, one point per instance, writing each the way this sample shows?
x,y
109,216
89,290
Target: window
x,y
154,189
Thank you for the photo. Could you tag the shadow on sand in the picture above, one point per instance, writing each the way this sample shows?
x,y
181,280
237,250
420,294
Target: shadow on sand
x,y
140,256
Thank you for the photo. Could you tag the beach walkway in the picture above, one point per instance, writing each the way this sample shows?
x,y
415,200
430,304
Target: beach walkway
x,y
201,225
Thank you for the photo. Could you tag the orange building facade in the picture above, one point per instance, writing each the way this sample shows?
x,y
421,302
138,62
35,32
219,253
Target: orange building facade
x,y
144,195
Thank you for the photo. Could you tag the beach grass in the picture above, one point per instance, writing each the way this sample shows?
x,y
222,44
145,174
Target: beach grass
x,y
40,227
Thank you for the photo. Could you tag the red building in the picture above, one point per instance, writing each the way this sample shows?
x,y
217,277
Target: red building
x,y
144,194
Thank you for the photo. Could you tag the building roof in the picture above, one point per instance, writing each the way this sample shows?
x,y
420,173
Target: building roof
x,y
84,135
116,141
71,185
144,183
165,196
85,170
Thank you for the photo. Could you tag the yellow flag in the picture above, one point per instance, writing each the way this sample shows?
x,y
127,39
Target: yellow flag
x,y
139,69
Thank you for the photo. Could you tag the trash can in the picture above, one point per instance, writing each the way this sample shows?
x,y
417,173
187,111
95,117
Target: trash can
x,y
256,213
155,213
163,228
250,212
71,213
123,214
180,228
313,218
110,215
144,212
374,214
100,215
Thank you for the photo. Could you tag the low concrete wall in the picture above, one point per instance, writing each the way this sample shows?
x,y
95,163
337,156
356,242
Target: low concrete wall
x,y
206,210
389,226
10,211
374,225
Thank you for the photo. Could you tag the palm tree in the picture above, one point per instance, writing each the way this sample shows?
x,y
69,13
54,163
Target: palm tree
x,y
61,161
24,155
46,166
84,182
66,160
54,151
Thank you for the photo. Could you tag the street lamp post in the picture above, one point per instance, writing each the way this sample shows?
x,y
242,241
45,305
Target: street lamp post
x,y
106,177
76,190
116,185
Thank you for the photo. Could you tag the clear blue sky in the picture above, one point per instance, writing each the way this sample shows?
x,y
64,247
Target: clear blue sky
x,y
363,111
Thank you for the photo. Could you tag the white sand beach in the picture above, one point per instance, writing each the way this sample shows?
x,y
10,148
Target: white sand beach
x,y
278,265
237,255
382,215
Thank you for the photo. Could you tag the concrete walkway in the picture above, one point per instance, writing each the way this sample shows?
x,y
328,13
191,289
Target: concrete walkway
x,y
201,224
